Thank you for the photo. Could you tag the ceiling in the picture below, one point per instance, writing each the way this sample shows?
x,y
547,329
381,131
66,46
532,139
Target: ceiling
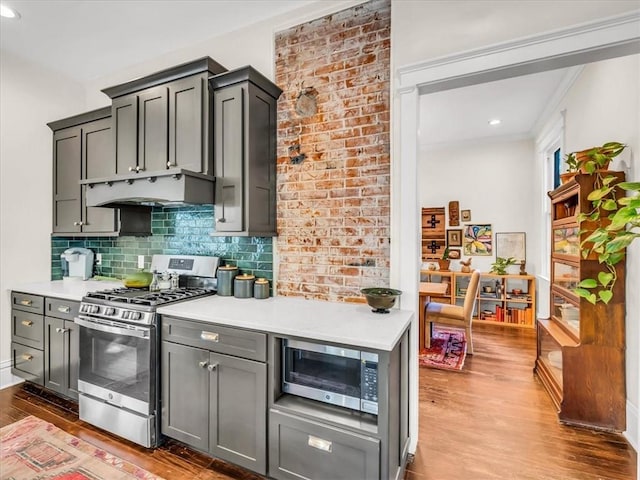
x,y
85,39
462,115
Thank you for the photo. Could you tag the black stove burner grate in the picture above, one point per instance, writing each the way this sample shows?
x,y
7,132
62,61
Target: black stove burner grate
x,y
137,296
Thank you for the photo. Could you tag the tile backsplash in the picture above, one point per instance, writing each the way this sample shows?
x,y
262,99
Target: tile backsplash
x,y
178,231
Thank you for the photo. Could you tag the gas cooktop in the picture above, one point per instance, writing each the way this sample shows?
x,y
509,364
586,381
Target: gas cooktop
x,y
145,297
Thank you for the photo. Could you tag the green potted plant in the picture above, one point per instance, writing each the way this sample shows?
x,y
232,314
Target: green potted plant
x,y
612,225
499,267
444,262
591,159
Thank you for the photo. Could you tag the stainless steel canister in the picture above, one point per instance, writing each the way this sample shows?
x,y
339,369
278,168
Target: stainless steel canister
x,y
225,276
243,286
261,288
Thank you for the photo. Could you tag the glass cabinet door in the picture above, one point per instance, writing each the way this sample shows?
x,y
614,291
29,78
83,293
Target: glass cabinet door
x,y
566,241
566,312
551,355
565,276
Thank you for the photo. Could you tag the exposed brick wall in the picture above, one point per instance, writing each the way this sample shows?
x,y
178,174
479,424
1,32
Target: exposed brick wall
x,y
334,207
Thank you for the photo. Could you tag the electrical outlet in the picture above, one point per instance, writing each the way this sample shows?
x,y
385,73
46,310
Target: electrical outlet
x,y
98,259
140,261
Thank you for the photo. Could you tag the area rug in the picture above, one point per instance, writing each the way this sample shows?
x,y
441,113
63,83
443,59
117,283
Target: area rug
x,y
448,349
32,449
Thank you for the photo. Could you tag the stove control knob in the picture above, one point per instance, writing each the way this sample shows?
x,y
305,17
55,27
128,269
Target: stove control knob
x,y
125,314
94,309
135,316
109,311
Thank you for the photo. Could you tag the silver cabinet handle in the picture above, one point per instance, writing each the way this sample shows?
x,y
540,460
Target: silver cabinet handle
x,y
169,164
78,224
203,364
210,336
319,443
26,303
64,308
132,169
26,323
221,220
212,367
61,330
26,357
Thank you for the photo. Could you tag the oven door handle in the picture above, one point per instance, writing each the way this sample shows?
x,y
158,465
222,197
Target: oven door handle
x,y
129,331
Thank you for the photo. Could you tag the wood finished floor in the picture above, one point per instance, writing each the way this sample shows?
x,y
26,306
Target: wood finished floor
x,y
492,420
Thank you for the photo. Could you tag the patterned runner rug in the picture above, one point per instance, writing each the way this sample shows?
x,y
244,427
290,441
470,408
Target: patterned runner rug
x,y
32,449
448,349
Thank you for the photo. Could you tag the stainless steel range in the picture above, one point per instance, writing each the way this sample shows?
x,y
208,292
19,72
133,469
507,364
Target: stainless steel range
x,y
119,347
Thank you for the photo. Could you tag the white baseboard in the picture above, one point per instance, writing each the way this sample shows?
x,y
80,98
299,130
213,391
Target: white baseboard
x,y
633,424
7,379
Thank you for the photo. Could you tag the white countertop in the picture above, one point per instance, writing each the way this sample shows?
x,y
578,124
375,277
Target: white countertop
x,y
66,289
345,323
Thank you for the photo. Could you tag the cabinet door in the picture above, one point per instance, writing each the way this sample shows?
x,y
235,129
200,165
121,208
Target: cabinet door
x,y
67,209
229,142
186,129
238,397
124,114
185,394
72,357
98,162
260,183
153,129
54,364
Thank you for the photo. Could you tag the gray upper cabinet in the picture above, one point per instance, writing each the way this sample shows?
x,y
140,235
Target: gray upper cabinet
x,y
163,121
245,108
83,149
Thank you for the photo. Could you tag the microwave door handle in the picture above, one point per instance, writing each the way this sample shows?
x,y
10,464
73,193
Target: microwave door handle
x,y
129,332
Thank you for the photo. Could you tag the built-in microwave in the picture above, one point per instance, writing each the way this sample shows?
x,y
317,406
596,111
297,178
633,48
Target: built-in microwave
x,y
331,374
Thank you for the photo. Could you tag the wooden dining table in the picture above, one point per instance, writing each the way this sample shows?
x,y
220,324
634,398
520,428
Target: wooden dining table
x,y
426,291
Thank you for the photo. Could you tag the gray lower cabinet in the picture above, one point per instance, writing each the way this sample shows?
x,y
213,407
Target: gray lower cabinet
x,y
27,336
301,448
245,107
212,401
45,342
61,347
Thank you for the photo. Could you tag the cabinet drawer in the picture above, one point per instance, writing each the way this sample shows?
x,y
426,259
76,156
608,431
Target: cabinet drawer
x,y
27,363
66,309
216,338
27,328
27,302
300,448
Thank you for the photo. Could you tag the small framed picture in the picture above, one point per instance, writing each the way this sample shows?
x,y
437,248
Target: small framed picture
x,y
465,215
454,253
454,238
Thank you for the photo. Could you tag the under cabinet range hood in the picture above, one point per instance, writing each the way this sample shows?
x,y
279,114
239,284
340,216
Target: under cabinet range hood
x,y
169,187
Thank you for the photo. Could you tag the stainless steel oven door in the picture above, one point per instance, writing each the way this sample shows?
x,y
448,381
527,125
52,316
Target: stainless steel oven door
x,y
117,363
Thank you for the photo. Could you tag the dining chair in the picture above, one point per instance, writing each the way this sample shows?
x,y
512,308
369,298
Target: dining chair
x,y
454,315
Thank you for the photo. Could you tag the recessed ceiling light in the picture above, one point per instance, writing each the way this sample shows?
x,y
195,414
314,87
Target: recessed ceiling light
x,y
495,121
8,12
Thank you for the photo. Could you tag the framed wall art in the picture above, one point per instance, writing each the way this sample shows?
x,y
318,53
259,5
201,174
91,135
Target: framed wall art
x,y
465,215
478,240
454,238
454,253
511,244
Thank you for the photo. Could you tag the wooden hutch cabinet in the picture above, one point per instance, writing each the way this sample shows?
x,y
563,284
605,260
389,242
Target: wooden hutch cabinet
x,y
581,347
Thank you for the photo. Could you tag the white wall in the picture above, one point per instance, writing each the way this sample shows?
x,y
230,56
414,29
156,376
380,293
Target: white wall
x,y
604,105
30,97
493,180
